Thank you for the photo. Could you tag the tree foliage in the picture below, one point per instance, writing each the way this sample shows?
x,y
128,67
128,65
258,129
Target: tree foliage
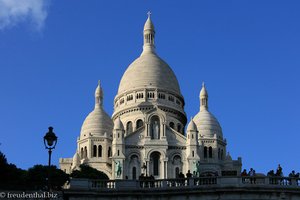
x,y
88,172
37,177
13,178
10,176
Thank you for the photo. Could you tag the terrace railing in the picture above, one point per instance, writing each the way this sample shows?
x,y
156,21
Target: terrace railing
x,y
236,181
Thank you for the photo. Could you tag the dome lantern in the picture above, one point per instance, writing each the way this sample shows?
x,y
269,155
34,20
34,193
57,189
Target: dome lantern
x,y
98,95
203,98
149,35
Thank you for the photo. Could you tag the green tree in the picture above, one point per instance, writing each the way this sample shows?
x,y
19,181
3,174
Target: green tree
x,y
11,177
37,177
88,172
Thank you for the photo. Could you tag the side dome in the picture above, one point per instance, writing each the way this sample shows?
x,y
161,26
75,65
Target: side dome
x,y
98,122
206,122
149,71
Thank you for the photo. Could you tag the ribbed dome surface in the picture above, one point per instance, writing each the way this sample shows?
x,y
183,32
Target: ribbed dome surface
x,y
97,123
207,124
149,71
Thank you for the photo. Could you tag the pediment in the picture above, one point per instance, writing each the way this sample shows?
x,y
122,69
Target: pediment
x,y
175,138
136,137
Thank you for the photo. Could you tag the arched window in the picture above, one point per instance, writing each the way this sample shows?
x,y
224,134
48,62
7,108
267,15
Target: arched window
x,y
85,152
179,128
171,125
109,152
95,151
210,152
193,153
99,151
205,152
129,127
139,123
118,152
81,153
134,173
219,153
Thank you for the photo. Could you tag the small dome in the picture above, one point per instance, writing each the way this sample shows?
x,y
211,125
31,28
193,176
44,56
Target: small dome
x,y
118,124
191,126
149,71
207,124
76,161
96,123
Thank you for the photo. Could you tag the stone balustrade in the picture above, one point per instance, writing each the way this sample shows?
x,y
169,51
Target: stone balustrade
x,y
190,183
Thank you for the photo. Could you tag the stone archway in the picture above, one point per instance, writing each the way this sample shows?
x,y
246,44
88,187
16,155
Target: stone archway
x,y
177,165
155,164
134,167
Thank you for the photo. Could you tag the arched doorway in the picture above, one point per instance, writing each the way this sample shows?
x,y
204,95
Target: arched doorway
x,y
177,164
134,173
134,167
177,172
155,164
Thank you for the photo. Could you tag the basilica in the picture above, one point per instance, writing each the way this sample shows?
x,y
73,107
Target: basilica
x,y
146,133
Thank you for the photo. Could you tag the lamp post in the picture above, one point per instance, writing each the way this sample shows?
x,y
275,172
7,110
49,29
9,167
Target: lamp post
x,y
50,141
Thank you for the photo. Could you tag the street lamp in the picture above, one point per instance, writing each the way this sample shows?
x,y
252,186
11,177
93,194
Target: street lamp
x,y
50,141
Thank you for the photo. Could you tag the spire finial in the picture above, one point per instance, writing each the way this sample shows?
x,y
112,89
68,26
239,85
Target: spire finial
x,y
149,36
149,14
203,98
98,95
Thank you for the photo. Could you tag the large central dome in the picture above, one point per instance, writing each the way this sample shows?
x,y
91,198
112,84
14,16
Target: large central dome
x,y
149,83
149,71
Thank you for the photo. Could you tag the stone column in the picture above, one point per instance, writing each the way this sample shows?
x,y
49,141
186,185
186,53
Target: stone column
x,y
148,168
147,130
165,167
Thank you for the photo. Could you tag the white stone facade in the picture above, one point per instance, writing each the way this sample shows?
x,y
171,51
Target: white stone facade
x,y
146,133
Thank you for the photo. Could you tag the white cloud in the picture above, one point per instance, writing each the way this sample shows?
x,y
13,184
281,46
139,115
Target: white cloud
x,y
13,12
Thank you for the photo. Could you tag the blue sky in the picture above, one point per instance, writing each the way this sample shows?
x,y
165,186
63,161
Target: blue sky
x,y
52,53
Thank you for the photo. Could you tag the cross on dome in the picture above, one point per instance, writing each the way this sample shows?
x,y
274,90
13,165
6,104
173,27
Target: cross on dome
x,y
149,14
